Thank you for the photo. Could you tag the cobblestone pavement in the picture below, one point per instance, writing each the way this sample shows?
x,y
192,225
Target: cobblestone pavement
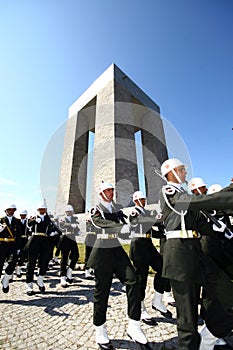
x,y
61,319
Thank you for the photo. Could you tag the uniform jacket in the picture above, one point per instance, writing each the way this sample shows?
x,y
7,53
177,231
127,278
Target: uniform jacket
x,y
67,228
46,226
14,227
182,257
103,250
144,221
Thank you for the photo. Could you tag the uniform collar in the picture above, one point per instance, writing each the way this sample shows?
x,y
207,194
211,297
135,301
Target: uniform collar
x,y
107,205
176,185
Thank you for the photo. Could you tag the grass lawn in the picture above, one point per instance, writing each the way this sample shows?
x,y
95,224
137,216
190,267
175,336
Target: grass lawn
x,y
126,247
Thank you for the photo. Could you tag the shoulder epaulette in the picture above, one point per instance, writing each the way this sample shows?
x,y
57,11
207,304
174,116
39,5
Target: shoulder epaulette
x,y
169,190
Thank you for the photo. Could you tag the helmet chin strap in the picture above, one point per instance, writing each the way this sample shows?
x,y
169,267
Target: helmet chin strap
x,y
176,176
141,205
198,190
105,197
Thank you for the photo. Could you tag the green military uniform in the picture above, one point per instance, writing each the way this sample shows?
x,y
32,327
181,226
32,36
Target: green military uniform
x,y
182,262
217,305
89,240
108,257
143,253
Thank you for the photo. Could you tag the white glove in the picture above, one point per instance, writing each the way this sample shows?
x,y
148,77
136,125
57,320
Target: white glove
x,y
73,225
2,227
134,213
219,229
132,234
38,220
125,229
18,251
52,234
229,235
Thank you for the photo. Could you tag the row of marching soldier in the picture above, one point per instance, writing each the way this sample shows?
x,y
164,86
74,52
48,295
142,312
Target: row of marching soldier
x,y
32,241
189,229
186,221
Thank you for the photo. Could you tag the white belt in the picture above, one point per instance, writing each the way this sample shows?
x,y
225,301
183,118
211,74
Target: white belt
x,y
107,235
181,234
142,235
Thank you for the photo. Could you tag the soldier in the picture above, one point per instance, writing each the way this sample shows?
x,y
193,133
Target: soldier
x,y
182,252
53,241
10,232
68,245
218,291
57,251
108,257
144,254
24,238
89,243
38,248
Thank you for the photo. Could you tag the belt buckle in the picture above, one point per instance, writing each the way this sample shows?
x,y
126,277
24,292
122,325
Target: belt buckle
x,y
111,235
148,235
195,234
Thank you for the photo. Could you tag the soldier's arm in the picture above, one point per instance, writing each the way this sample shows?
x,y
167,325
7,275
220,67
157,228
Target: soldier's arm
x,y
217,201
103,220
99,221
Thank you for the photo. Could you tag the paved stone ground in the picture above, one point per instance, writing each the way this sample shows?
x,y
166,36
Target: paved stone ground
x,y
61,319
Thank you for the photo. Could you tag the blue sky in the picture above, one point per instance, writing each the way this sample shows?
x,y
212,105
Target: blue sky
x,y
178,52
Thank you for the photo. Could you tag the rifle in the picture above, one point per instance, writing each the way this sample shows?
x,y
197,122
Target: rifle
x,y
227,232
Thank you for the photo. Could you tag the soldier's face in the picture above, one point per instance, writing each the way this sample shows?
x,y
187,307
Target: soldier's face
x,y
181,172
23,216
42,211
203,189
10,212
108,194
141,202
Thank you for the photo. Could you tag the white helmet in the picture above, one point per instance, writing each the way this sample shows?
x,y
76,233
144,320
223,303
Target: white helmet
x,y
23,212
69,208
214,188
195,183
42,206
138,195
104,186
169,165
12,206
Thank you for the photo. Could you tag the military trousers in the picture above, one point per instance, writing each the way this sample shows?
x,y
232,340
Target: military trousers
x,y
37,250
143,255
187,296
69,250
119,264
89,244
8,252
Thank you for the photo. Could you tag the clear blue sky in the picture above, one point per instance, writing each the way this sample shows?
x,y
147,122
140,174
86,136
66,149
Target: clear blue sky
x,y
179,52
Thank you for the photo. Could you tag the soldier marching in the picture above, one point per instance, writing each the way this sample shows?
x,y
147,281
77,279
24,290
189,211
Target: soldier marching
x,y
181,223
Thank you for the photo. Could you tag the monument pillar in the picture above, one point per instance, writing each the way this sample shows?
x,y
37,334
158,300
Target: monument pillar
x,y
113,109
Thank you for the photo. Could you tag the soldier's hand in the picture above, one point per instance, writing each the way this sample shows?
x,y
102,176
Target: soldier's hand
x,y
2,227
221,228
73,225
134,213
122,216
125,229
